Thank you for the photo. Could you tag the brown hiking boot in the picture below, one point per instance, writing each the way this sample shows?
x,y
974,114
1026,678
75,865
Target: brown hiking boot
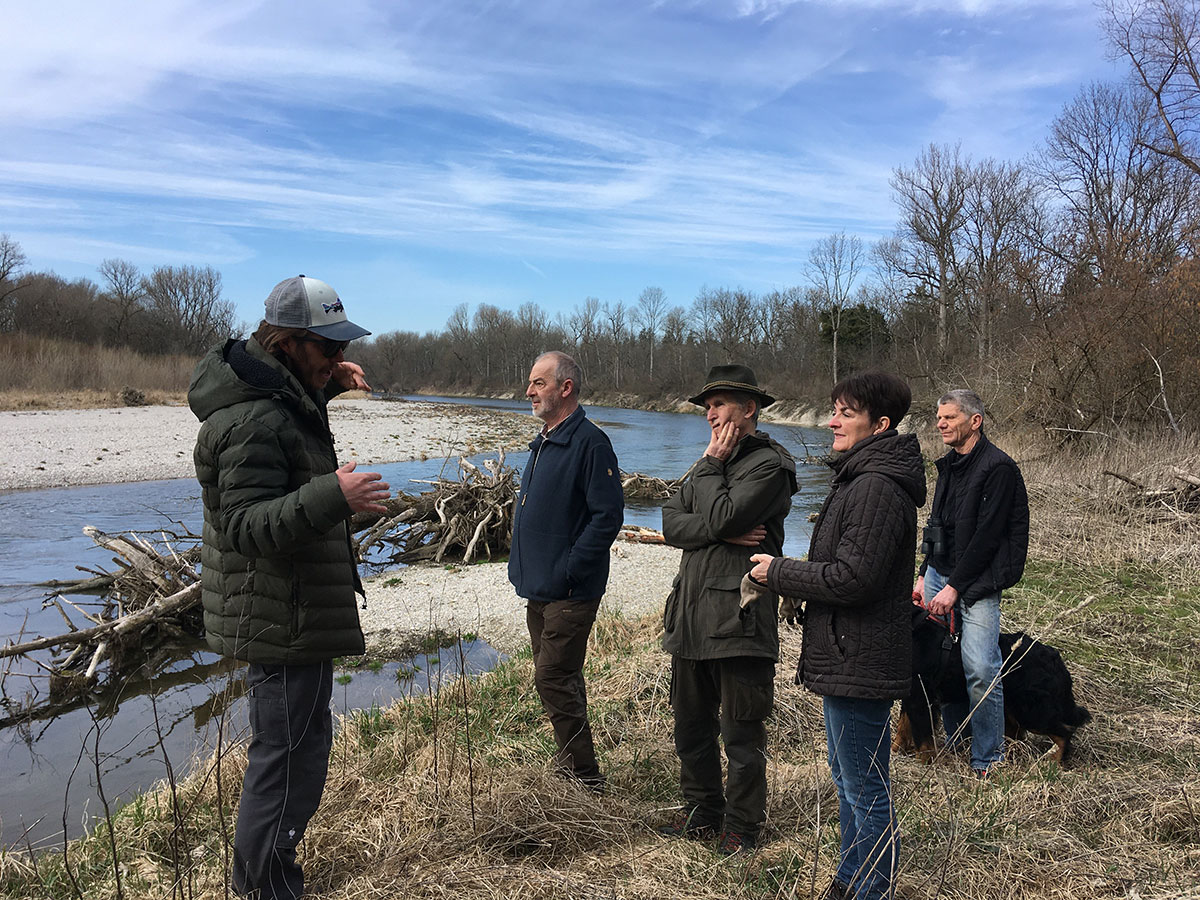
x,y
733,841
689,825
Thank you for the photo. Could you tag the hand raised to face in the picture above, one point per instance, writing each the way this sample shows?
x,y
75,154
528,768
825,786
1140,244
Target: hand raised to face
x,y
723,441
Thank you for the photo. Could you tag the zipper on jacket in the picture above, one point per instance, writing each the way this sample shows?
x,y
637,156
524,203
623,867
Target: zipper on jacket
x,y
533,465
295,609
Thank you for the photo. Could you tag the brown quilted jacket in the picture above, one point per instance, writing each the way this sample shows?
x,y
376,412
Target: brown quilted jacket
x,y
856,584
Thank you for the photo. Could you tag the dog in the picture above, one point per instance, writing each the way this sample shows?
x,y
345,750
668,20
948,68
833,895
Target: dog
x,y
1039,694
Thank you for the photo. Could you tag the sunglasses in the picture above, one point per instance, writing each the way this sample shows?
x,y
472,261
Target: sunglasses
x,y
329,349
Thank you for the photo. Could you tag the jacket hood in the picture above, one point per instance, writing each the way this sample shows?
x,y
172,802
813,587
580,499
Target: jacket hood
x,y
898,456
237,372
785,457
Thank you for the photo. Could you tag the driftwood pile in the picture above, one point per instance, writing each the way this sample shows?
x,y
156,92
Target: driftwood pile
x,y
647,487
148,608
467,519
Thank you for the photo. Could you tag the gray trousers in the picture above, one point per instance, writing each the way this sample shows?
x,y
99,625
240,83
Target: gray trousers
x,y
728,697
285,775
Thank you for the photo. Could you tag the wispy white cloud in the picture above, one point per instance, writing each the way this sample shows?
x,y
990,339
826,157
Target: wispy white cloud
x,y
700,135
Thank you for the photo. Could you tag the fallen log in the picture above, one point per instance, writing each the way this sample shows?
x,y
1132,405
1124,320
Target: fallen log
x,y
1186,477
639,534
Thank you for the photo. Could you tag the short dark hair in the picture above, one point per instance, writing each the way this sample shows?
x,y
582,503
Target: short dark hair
x,y
877,393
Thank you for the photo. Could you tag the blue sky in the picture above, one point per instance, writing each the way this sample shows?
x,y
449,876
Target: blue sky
x,y
421,155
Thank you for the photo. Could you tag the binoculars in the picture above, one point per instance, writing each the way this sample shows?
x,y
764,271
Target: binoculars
x,y
933,538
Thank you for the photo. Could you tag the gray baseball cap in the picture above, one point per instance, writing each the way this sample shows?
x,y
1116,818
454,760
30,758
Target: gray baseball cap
x,y
304,302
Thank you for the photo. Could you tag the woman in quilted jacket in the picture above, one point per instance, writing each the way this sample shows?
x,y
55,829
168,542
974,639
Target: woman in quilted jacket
x,y
856,588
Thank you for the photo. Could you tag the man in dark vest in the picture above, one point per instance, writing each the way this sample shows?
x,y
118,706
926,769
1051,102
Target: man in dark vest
x,y
568,514
974,546
278,575
723,652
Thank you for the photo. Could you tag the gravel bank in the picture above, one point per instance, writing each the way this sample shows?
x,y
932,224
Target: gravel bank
x,y
61,448
405,605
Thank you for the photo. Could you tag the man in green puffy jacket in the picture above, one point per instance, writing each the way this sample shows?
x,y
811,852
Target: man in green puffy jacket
x,y
278,573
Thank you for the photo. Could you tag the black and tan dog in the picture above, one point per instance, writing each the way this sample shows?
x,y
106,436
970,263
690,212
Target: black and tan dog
x,y
1038,692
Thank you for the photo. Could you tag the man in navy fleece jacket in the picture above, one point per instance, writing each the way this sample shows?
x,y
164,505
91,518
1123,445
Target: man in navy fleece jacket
x,y
568,513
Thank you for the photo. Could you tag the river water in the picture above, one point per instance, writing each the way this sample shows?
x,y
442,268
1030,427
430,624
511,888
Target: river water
x,y
49,768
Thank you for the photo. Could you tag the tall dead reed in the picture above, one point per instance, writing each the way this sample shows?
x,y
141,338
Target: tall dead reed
x,y
33,370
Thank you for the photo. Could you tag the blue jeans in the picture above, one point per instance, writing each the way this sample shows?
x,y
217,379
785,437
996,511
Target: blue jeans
x,y
859,735
983,717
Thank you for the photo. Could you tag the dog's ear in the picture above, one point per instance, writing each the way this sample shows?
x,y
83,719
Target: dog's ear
x,y
919,615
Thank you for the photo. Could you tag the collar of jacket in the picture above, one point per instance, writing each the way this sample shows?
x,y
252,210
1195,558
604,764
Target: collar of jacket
x,y
562,431
750,442
841,462
958,461
287,387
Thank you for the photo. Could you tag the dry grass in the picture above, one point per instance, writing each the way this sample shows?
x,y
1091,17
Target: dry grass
x,y
450,795
23,400
39,373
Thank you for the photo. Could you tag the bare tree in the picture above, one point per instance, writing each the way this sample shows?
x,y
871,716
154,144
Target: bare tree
x,y
123,295
188,304
733,320
583,326
1120,226
1123,201
675,336
1160,37
651,308
616,315
12,261
530,331
703,318
834,263
996,211
458,331
486,332
931,196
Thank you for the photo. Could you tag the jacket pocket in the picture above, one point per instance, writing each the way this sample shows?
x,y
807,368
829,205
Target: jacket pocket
x,y
671,610
722,599
836,650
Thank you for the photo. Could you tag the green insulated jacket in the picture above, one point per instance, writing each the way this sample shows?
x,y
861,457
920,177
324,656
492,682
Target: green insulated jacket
x,y
703,617
277,574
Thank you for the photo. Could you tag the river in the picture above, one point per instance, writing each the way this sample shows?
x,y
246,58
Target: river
x,y
50,767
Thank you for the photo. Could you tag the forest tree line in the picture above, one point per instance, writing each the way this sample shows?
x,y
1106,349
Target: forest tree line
x,y
1063,286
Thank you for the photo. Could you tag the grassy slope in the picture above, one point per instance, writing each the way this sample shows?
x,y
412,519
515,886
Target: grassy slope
x,y
451,795
410,810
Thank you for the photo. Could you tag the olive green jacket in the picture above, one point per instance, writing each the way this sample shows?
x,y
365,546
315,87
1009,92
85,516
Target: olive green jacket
x,y
703,617
277,572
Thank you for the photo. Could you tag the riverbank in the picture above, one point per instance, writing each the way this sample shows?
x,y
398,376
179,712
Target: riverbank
x,y
452,795
64,448
782,412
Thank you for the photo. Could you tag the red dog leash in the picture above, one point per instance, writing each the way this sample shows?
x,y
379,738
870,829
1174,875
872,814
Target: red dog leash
x,y
949,621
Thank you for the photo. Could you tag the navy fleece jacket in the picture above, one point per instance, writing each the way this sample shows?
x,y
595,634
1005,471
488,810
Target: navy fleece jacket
x,y
569,511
